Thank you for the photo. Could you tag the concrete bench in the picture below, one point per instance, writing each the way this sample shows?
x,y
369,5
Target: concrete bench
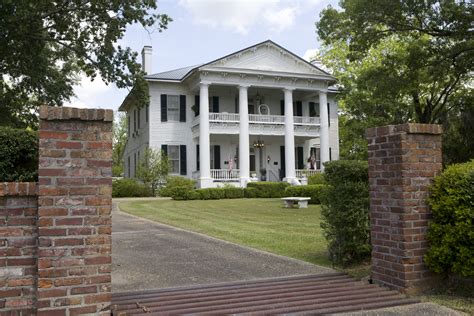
x,y
288,202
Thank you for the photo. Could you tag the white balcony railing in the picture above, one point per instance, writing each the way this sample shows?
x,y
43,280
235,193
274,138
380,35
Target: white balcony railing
x,y
225,174
266,119
224,117
304,173
305,120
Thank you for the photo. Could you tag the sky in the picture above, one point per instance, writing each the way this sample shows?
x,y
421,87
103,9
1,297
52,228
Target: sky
x,y
204,30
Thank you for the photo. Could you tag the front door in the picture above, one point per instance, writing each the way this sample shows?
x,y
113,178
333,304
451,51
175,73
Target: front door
x,y
253,168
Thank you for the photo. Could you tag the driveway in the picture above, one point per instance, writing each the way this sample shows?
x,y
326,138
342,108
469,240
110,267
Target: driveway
x,y
149,255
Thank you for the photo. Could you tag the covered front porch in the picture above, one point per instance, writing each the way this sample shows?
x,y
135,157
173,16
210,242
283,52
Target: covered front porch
x,y
266,159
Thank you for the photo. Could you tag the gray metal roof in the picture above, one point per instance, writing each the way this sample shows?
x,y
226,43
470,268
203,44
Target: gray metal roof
x,y
176,74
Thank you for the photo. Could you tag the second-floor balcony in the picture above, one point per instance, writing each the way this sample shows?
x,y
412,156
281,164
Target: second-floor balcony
x,y
228,123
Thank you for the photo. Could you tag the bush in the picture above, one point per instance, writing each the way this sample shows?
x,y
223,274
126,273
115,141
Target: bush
x,y
451,233
313,191
18,155
175,182
268,189
250,193
183,193
345,211
127,187
317,178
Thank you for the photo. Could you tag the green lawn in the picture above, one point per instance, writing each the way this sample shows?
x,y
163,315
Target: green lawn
x,y
258,223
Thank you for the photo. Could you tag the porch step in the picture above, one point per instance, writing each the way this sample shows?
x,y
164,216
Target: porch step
x,y
314,294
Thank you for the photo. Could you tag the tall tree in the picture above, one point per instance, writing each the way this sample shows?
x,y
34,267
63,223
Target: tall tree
x,y
399,61
45,44
120,136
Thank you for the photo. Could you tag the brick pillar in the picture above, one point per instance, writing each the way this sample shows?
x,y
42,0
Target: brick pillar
x,y
18,248
74,211
403,159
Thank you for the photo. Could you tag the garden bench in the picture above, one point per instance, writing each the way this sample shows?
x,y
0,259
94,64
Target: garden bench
x,y
288,202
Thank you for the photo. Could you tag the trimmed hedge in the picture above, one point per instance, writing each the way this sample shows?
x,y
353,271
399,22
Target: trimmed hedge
x,y
451,233
268,189
345,211
175,182
127,187
313,191
317,178
182,193
18,155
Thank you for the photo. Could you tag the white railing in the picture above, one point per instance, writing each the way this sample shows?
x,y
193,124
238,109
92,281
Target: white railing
x,y
258,119
305,120
225,174
266,119
304,173
224,117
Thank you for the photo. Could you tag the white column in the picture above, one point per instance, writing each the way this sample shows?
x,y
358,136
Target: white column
x,y
289,138
324,128
244,146
204,137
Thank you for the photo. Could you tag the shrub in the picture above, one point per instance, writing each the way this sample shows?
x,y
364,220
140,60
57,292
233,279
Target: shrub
x,y
250,193
174,182
268,189
313,191
317,178
127,187
451,233
345,211
183,193
233,193
18,155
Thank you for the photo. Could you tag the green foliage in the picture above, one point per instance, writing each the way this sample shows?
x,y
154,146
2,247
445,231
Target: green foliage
x,y
119,142
268,189
127,187
451,233
345,211
250,193
183,193
46,46
399,62
313,191
153,168
317,178
175,182
18,155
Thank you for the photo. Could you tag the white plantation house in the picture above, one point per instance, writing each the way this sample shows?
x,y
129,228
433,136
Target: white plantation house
x,y
261,113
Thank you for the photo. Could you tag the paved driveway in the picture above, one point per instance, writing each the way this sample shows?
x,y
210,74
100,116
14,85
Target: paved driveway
x,y
148,255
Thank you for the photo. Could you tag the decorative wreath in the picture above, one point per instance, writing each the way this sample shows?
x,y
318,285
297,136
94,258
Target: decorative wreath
x,y
263,109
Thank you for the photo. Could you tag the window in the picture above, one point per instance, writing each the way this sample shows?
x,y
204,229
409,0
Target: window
x,y
139,112
173,156
315,158
173,108
316,110
128,125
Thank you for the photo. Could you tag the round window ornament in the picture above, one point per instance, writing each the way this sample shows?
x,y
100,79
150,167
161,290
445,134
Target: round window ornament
x,y
263,109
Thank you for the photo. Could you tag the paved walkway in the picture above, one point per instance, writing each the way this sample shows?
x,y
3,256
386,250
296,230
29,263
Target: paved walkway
x,y
148,255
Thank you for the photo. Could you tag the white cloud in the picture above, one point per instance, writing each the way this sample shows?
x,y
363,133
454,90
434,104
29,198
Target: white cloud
x,y
242,15
310,54
88,92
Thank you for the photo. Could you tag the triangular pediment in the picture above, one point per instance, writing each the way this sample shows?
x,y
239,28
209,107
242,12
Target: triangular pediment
x,y
266,56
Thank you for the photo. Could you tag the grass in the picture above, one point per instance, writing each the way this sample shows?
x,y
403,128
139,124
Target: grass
x,y
258,223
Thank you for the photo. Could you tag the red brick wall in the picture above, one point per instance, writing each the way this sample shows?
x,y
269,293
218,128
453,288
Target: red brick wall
x,y
18,248
74,211
403,160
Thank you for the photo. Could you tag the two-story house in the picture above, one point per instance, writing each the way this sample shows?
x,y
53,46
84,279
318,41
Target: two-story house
x,y
261,113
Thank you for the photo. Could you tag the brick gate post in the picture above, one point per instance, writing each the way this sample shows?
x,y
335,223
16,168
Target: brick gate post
x,y
74,211
403,160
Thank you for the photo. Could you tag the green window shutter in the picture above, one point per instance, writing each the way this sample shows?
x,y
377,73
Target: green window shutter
x,y
164,108
217,157
182,108
182,160
164,148
299,108
197,104
282,107
215,104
